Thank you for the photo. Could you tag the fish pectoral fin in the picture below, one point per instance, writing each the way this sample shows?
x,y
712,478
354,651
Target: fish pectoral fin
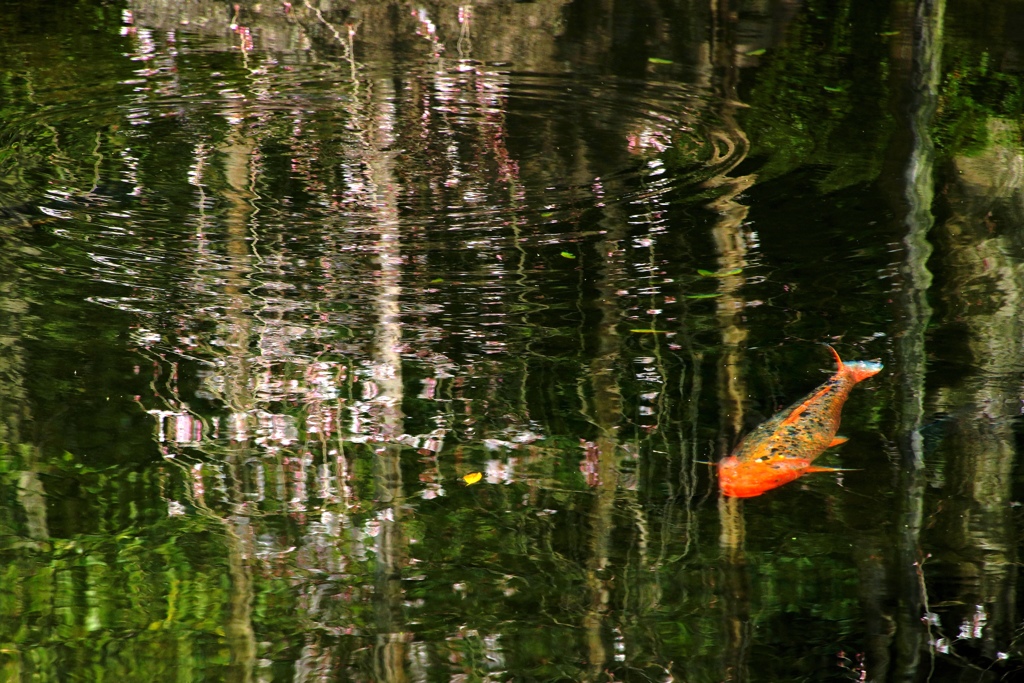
x,y
831,469
838,440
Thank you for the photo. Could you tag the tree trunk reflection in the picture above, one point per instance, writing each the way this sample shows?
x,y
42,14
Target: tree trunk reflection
x,y
391,544
982,257
731,148
237,331
922,75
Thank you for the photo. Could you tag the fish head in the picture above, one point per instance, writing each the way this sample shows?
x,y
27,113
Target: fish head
x,y
860,370
746,478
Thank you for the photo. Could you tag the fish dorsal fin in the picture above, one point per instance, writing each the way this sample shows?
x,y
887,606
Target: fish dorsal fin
x,y
800,409
795,414
839,361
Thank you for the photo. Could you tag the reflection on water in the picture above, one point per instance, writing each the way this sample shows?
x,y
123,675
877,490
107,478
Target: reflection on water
x,y
279,279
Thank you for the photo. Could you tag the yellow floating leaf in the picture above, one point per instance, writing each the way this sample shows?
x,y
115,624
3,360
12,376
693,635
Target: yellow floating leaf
x,y
472,478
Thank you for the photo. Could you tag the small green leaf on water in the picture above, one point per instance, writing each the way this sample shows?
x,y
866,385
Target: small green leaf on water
x,y
756,53
568,254
830,89
649,331
889,33
547,214
723,273
703,296
437,280
658,60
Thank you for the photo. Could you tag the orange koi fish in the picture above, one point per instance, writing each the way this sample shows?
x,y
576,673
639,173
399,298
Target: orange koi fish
x,y
783,448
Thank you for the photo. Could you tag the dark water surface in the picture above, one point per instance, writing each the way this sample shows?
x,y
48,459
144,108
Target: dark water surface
x,y
385,341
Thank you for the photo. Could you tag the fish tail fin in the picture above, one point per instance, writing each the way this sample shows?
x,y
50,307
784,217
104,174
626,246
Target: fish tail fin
x,y
858,369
